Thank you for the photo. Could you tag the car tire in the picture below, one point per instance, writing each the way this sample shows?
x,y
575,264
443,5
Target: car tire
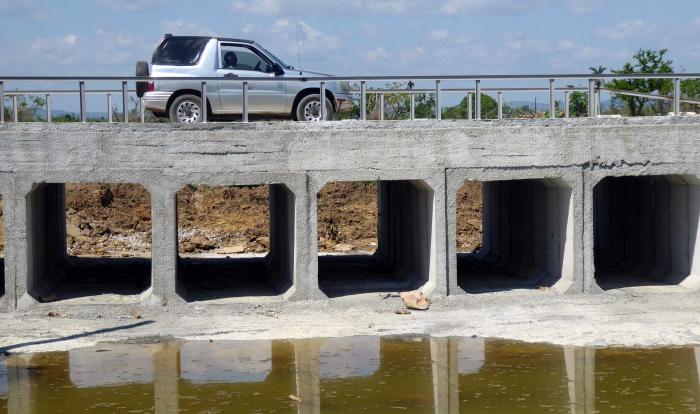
x,y
308,108
186,109
141,70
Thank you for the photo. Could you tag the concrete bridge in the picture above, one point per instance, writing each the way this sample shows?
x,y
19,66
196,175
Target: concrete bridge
x,y
573,205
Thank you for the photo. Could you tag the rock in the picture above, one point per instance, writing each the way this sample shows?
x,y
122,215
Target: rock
x,y
402,312
343,248
239,248
294,398
53,314
415,300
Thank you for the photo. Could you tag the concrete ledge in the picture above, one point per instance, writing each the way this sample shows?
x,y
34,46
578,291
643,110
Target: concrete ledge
x,y
562,159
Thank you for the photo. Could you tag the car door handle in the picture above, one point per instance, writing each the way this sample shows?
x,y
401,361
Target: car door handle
x,y
230,75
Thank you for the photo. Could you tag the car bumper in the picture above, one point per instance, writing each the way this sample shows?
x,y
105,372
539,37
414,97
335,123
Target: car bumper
x,y
344,102
156,101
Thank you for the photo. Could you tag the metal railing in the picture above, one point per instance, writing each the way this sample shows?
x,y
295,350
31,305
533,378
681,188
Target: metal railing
x,y
321,81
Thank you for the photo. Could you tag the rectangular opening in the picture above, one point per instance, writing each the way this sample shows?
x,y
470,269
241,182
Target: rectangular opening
x,y
646,232
514,234
235,241
374,236
89,241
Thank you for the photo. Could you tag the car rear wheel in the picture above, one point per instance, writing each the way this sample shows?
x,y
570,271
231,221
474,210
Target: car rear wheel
x,y
186,109
309,108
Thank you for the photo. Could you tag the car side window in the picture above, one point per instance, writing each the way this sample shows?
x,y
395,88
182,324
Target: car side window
x,y
241,58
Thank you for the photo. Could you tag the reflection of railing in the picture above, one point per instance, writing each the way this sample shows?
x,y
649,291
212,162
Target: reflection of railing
x,y
592,90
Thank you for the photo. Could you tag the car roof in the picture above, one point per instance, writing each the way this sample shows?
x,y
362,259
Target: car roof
x,y
224,39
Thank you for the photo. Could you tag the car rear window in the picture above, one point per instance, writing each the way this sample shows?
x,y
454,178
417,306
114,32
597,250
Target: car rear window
x,y
179,51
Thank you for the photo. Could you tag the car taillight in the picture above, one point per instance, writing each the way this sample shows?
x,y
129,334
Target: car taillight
x,y
151,86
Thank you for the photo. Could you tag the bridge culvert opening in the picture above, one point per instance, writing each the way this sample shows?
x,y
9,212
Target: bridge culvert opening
x,y
646,232
514,234
374,236
89,241
235,241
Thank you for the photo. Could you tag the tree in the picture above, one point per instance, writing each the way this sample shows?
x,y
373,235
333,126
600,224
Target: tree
x,y
646,61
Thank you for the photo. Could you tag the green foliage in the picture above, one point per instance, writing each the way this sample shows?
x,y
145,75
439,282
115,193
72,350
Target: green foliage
x,y
645,61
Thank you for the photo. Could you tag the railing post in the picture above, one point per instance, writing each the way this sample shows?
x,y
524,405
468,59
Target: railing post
x,y
143,111
2,102
109,108
363,101
204,102
322,102
244,116
676,96
552,102
83,115
470,110
566,104
500,105
438,112
477,99
591,98
413,106
48,107
14,109
125,102
381,106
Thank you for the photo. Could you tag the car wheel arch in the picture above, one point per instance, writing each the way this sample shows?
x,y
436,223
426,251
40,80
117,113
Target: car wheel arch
x,y
309,91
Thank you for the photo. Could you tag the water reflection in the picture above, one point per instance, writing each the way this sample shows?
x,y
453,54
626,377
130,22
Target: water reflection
x,y
361,374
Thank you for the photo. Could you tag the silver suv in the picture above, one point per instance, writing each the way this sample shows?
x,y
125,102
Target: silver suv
x,y
197,56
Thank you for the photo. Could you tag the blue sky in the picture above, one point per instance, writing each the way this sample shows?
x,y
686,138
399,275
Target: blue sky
x,y
355,37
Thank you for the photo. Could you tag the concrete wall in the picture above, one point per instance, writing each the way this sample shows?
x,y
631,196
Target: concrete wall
x,y
433,158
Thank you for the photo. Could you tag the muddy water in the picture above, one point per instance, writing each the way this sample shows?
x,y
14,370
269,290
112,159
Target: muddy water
x,y
352,375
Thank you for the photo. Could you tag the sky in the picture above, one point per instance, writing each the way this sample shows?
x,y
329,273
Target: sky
x,y
355,37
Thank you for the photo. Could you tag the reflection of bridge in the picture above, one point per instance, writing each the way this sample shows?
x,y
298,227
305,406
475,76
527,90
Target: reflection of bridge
x,y
448,374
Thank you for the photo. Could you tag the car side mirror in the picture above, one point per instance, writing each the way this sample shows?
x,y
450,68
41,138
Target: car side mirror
x,y
277,69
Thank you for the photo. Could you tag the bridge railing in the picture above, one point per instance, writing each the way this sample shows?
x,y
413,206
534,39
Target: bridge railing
x,y
477,90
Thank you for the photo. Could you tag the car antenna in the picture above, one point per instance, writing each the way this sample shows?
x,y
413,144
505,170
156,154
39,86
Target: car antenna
x,y
299,47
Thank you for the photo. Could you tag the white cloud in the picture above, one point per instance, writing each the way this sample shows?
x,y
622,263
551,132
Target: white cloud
x,y
184,27
130,5
438,34
627,29
377,53
452,7
270,7
279,7
583,6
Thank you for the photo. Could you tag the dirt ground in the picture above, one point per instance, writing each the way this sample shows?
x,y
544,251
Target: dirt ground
x,y
115,219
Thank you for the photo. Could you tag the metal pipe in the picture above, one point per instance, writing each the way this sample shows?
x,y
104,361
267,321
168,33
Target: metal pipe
x,y
469,106
477,99
363,101
591,98
381,106
322,101
2,102
109,108
48,107
244,116
552,102
143,111
500,105
83,115
413,106
125,102
14,109
676,96
566,104
438,110
204,102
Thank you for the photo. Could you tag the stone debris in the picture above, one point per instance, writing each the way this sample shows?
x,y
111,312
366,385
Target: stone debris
x,y
415,300
239,248
402,312
343,247
53,314
294,398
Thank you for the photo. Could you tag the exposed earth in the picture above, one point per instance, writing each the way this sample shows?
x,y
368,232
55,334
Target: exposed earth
x,y
115,219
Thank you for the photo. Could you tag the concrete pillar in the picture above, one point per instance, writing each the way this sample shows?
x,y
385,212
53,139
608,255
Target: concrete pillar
x,y
19,387
163,244
443,353
166,366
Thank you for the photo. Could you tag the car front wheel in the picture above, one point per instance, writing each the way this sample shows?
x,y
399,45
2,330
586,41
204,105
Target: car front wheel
x,y
186,109
309,108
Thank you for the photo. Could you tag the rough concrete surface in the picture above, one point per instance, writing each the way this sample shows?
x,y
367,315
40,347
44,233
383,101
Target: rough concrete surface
x,y
547,219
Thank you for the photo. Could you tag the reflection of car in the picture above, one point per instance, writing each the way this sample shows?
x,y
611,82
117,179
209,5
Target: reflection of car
x,y
196,56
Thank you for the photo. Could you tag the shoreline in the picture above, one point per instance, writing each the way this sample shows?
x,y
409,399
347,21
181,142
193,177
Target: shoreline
x,y
617,318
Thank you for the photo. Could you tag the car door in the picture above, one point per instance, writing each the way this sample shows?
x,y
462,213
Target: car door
x,y
263,97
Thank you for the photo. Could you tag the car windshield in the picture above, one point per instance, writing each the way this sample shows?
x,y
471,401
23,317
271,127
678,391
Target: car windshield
x,y
278,60
179,51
